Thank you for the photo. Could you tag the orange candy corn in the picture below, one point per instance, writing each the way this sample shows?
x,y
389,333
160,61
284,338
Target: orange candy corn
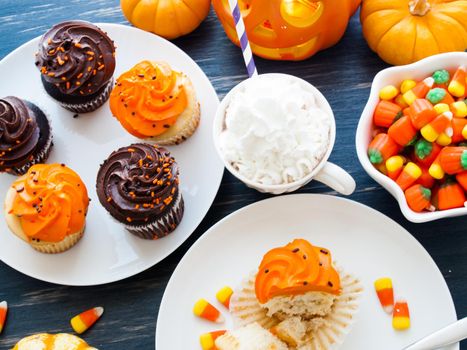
x,y
401,316
419,91
442,123
82,322
418,198
208,340
381,148
453,160
451,195
386,113
394,166
421,113
383,287
409,175
403,132
224,295
457,85
426,180
205,310
425,152
435,170
3,312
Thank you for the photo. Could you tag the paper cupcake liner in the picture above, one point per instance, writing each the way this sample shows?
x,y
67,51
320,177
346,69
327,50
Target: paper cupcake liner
x,y
57,247
91,105
39,156
323,333
163,225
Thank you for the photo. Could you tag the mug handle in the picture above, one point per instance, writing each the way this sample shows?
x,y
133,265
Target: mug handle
x,y
336,178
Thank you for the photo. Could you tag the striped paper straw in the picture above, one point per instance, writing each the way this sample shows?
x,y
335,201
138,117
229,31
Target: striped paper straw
x,y
244,43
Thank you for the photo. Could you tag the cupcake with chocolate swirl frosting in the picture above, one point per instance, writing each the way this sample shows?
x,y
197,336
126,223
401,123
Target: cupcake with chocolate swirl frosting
x,y
77,61
25,135
138,186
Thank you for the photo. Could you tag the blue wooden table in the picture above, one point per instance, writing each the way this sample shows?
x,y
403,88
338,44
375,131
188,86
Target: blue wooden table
x,y
343,73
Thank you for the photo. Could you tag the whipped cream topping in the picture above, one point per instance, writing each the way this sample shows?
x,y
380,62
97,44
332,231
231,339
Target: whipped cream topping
x,y
275,132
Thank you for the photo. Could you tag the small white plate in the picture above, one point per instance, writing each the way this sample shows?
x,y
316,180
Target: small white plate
x,y
362,240
107,252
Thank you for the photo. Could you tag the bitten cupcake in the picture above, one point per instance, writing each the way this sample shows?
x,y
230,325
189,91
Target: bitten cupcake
x,y
138,185
299,296
47,207
152,101
44,341
77,61
25,135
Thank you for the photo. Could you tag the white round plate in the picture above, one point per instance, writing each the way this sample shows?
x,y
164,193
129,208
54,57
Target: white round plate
x,y
107,252
362,240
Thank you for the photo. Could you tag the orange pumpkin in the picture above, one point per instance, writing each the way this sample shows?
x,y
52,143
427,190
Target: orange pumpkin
x,y
403,31
288,29
167,18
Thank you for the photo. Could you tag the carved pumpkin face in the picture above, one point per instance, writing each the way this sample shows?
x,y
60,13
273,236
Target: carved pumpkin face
x,y
288,29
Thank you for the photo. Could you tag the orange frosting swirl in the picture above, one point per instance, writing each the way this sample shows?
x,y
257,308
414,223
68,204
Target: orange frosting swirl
x,y
51,202
296,269
148,98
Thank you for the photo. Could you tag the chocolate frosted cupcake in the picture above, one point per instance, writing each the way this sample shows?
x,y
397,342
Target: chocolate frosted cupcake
x,y
25,135
77,62
138,185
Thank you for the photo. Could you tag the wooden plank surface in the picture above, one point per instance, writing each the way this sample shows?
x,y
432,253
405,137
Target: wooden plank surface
x,y
343,73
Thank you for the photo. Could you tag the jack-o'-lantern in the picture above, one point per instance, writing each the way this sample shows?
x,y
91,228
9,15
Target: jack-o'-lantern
x,y
288,29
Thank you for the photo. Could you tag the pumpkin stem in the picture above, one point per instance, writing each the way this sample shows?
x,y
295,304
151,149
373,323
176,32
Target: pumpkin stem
x,y
419,7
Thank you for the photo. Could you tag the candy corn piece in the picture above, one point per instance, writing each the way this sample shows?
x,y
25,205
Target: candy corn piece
x,y
3,312
457,85
459,109
403,132
401,316
451,195
394,166
418,91
458,125
425,152
421,113
205,310
381,148
442,123
224,295
418,198
383,287
409,175
435,170
82,322
208,340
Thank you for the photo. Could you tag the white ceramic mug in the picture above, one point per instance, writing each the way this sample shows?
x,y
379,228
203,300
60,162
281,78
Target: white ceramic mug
x,y
325,172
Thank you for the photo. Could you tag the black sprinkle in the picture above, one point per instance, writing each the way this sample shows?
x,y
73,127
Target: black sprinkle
x,y
320,264
34,193
183,138
35,180
305,283
75,116
166,126
295,250
154,77
133,113
153,125
304,257
266,271
19,190
330,284
62,164
323,251
141,75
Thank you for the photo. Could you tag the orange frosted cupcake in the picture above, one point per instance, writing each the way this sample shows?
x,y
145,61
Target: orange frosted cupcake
x,y
152,101
47,207
300,296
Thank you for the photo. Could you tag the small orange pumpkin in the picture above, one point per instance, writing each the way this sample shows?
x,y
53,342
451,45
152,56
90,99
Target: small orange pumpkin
x,y
288,29
403,31
167,18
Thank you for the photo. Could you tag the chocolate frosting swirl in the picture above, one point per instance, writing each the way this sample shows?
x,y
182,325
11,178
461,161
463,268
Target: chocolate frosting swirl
x,y
19,133
138,183
77,57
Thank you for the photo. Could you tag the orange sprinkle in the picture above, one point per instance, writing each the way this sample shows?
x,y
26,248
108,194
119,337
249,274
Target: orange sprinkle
x,y
140,163
149,157
61,49
152,194
60,61
78,45
78,83
90,58
89,69
51,74
67,85
51,52
131,149
79,75
94,72
49,41
137,206
100,67
173,190
90,53
128,219
63,78
109,199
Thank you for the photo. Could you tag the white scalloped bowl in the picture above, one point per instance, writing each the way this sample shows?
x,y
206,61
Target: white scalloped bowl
x,y
395,75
